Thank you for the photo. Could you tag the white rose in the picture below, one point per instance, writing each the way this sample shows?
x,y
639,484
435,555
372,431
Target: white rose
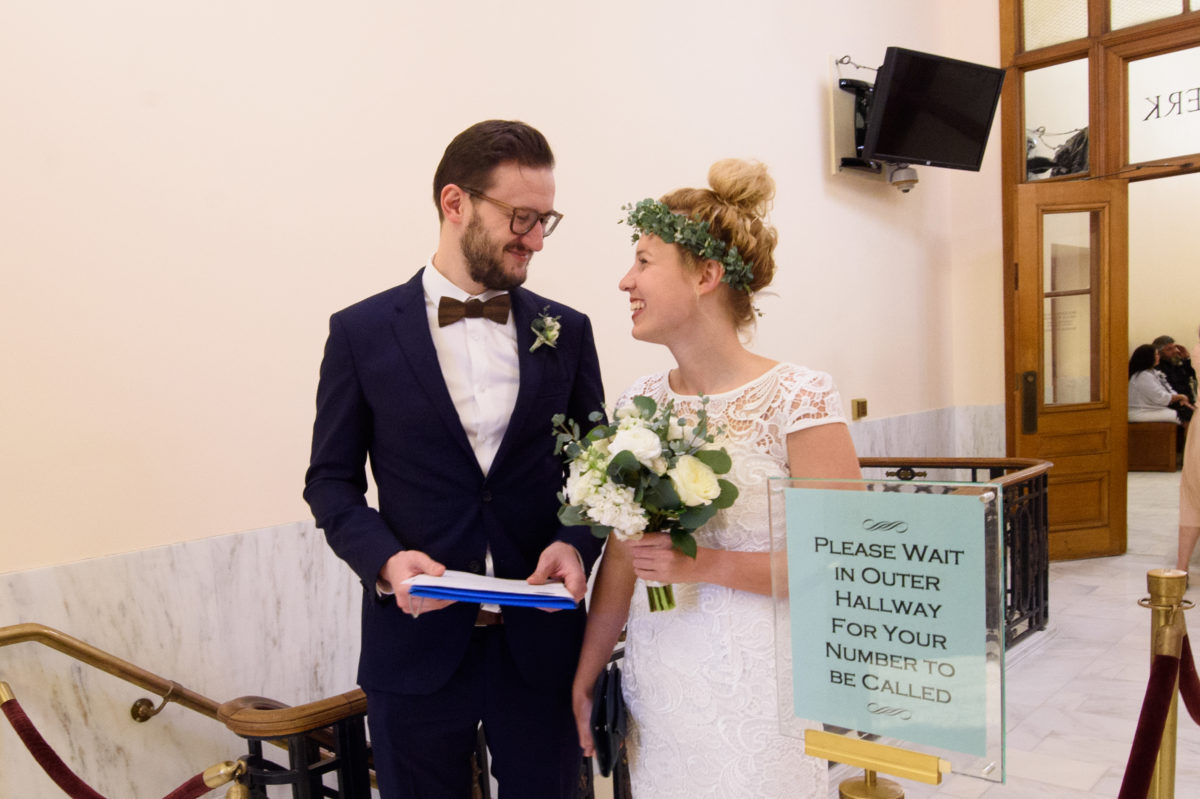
x,y
641,442
694,481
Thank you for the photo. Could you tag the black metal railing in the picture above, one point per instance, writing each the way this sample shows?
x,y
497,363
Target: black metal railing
x,y
1026,525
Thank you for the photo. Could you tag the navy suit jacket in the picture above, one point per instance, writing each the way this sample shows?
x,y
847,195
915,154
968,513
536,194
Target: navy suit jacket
x,y
382,396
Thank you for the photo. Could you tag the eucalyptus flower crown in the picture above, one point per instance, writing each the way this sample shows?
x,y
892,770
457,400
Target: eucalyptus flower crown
x,y
654,217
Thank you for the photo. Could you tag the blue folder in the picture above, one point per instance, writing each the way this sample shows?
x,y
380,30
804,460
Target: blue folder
x,y
491,597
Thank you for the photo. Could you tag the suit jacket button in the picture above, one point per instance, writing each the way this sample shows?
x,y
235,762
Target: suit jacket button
x,y
475,567
486,496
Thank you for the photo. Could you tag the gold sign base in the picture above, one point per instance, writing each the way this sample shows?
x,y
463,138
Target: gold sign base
x,y
869,786
872,757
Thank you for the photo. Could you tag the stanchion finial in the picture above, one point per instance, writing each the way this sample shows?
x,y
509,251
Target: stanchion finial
x,y
1166,586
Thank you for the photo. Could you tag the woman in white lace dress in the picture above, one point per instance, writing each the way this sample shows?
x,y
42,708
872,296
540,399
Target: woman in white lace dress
x,y
700,679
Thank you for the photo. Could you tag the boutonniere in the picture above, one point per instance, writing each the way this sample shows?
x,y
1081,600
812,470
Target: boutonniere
x,y
545,328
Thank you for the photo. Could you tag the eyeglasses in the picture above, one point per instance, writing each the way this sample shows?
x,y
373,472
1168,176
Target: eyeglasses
x,y
523,219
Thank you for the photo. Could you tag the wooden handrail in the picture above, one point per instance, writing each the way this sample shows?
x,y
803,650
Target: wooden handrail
x,y
256,717
169,690
252,716
1026,467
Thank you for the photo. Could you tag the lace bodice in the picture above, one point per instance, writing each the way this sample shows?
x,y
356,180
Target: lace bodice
x,y
700,679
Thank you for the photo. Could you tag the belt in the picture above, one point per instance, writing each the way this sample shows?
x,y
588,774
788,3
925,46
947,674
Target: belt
x,y
487,618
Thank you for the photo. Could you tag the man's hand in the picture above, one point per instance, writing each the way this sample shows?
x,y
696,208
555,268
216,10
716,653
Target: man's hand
x,y
409,563
560,562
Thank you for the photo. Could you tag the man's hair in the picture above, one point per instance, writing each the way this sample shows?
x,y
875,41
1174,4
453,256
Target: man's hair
x,y
1162,341
473,154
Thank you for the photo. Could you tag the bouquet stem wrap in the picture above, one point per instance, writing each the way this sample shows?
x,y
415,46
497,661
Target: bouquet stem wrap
x,y
660,595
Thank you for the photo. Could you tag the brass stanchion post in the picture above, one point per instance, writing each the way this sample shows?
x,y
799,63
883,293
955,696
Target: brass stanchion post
x,y
1166,603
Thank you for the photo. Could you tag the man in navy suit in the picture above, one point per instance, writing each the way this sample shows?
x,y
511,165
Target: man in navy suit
x,y
439,382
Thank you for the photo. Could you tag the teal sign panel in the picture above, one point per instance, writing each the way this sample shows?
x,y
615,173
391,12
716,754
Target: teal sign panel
x,y
888,614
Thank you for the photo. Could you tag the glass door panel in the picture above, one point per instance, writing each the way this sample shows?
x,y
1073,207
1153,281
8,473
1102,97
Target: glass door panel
x,y
1050,22
1070,333
1056,120
1127,13
1164,101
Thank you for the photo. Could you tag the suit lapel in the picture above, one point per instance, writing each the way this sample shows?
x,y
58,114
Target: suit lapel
x,y
411,328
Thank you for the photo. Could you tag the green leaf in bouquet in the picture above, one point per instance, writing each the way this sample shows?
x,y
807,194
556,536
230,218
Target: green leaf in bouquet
x,y
572,516
624,469
646,406
566,438
729,493
601,531
660,495
695,517
716,459
598,433
682,540
595,416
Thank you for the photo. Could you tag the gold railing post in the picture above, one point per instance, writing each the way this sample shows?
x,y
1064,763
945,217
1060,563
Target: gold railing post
x,y
1166,588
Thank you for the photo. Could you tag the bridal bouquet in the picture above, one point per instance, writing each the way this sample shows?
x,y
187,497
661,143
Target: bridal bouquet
x,y
649,471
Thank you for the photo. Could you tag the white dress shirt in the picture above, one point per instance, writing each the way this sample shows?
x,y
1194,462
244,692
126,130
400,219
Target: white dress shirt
x,y
479,364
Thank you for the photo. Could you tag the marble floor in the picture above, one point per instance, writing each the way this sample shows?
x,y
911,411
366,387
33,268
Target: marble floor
x,y
1075,690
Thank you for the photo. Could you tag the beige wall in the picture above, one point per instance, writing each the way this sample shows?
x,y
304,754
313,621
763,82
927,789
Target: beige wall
x,y
189,189
1164,261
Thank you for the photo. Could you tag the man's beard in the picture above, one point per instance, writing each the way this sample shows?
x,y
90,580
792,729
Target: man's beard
x,y
484,259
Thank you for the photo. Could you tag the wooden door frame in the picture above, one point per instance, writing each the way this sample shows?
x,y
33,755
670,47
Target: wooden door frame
x,y
1085,438
1108,56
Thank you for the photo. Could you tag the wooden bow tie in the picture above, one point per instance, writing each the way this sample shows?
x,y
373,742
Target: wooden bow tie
x,y
451,310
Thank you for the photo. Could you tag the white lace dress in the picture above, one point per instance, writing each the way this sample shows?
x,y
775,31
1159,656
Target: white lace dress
x,y
699,680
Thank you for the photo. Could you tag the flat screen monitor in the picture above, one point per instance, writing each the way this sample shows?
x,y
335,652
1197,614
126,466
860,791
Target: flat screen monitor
x,y
931,110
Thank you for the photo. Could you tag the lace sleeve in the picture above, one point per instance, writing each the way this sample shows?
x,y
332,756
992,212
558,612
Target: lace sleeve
x,y
812,399
649,385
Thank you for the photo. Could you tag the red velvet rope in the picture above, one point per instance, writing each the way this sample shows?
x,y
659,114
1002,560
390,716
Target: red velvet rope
x,y
1146,740
62,775
190,789
1189,683
50,762
1148,737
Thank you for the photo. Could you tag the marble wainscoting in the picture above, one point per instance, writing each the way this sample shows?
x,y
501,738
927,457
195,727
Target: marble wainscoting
x,y
971,431
269,612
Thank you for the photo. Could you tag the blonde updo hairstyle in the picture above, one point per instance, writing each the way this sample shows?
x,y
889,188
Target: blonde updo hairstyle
x,y
735,208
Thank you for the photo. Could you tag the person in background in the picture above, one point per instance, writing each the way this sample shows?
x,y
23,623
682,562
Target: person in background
x,y
1151,398
1189,500
1175,363
443,383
